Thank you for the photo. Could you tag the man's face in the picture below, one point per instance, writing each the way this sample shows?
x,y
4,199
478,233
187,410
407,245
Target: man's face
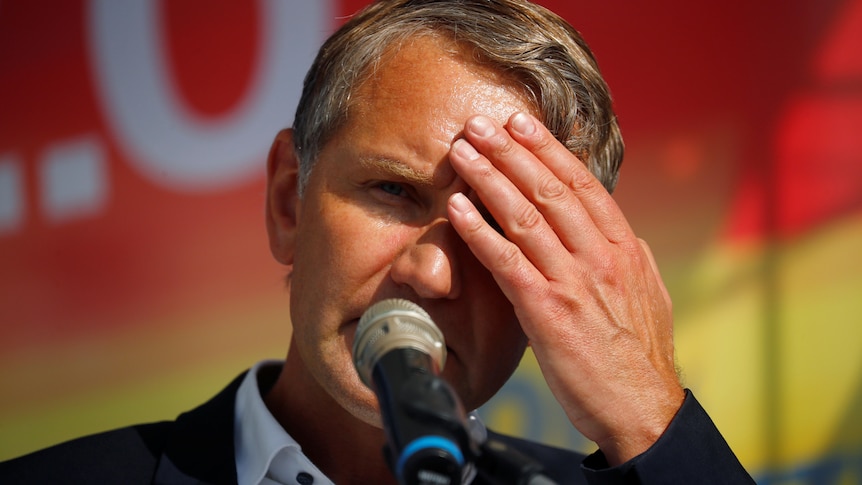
x,y
373,225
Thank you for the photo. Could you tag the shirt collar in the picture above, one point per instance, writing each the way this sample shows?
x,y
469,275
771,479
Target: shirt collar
x,y
264,450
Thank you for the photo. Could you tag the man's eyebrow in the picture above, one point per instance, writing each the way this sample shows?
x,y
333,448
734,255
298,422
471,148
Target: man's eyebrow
x,y
389,166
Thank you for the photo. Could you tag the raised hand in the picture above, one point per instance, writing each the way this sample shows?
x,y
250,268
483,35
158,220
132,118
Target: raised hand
x,y
586,290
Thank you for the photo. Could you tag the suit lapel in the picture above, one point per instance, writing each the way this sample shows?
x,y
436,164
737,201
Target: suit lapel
x,y
199,449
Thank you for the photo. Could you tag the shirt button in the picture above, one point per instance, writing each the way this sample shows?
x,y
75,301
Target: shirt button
x,y
304,478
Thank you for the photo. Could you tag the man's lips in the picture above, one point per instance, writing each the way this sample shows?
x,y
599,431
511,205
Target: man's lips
x,y
349,329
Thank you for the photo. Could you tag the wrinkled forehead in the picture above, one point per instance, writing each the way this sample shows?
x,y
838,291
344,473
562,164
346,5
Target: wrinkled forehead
x,y
415,105
435,72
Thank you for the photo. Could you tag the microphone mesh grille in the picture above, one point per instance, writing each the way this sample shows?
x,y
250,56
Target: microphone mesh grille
x,y
391,324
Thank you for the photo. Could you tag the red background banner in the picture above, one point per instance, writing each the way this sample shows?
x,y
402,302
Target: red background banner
x,y
135,277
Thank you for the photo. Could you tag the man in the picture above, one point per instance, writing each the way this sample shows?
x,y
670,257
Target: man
x,y
439,154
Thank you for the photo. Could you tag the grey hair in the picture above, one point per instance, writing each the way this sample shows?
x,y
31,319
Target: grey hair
x,y
525,43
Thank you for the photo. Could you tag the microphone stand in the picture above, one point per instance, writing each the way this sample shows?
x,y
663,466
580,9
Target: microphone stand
x,y
495,461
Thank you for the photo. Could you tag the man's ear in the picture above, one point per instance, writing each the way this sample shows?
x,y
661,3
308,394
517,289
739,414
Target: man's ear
x,y
282,197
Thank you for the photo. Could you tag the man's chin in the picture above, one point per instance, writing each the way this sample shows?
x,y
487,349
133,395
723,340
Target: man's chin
x,y
358,400
365,410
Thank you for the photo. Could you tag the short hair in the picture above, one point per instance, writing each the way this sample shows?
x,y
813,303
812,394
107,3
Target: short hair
x,y
525,43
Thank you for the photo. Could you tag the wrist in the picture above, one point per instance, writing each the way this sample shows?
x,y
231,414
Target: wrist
x,y
638,430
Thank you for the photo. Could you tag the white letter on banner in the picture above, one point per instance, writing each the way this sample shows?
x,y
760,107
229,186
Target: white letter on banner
x,y
167,142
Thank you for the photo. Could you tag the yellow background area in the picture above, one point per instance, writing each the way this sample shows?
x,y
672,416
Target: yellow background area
x,y
811,359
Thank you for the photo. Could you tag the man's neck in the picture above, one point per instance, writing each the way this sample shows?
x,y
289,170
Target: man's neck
x,y
343,447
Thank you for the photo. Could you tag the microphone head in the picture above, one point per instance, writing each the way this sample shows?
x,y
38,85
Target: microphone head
x,y
395,324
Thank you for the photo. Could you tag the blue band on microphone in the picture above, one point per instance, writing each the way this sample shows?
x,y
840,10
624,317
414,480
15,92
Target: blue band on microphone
x,y
426,442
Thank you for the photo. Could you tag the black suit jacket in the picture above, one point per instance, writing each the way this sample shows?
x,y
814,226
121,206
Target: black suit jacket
x,y
197,448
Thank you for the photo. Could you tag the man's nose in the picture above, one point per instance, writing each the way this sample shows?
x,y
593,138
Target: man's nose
x,y
429,264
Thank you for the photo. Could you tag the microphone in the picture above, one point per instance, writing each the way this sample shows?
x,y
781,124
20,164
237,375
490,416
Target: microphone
x,y
399,352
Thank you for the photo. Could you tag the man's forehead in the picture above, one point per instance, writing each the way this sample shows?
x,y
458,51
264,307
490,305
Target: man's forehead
x,y
439,69
404,118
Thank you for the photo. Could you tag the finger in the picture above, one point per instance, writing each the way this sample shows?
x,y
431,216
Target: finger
x,y
520,220
507,264
596,200
542,188
656,273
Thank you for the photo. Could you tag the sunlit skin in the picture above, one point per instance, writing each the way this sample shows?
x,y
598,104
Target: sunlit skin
x,y
396,207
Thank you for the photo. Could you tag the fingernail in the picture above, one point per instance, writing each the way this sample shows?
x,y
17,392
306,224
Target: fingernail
x,y
464,149
481,126
523,124
459,202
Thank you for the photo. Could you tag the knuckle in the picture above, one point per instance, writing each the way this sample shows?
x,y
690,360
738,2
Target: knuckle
x,y
485,171
504,146
607,264
634,249
545,143
580,180
510,256
609,267
475,227
551,188
527,217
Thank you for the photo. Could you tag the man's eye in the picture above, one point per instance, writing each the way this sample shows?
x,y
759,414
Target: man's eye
x,y
392,188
